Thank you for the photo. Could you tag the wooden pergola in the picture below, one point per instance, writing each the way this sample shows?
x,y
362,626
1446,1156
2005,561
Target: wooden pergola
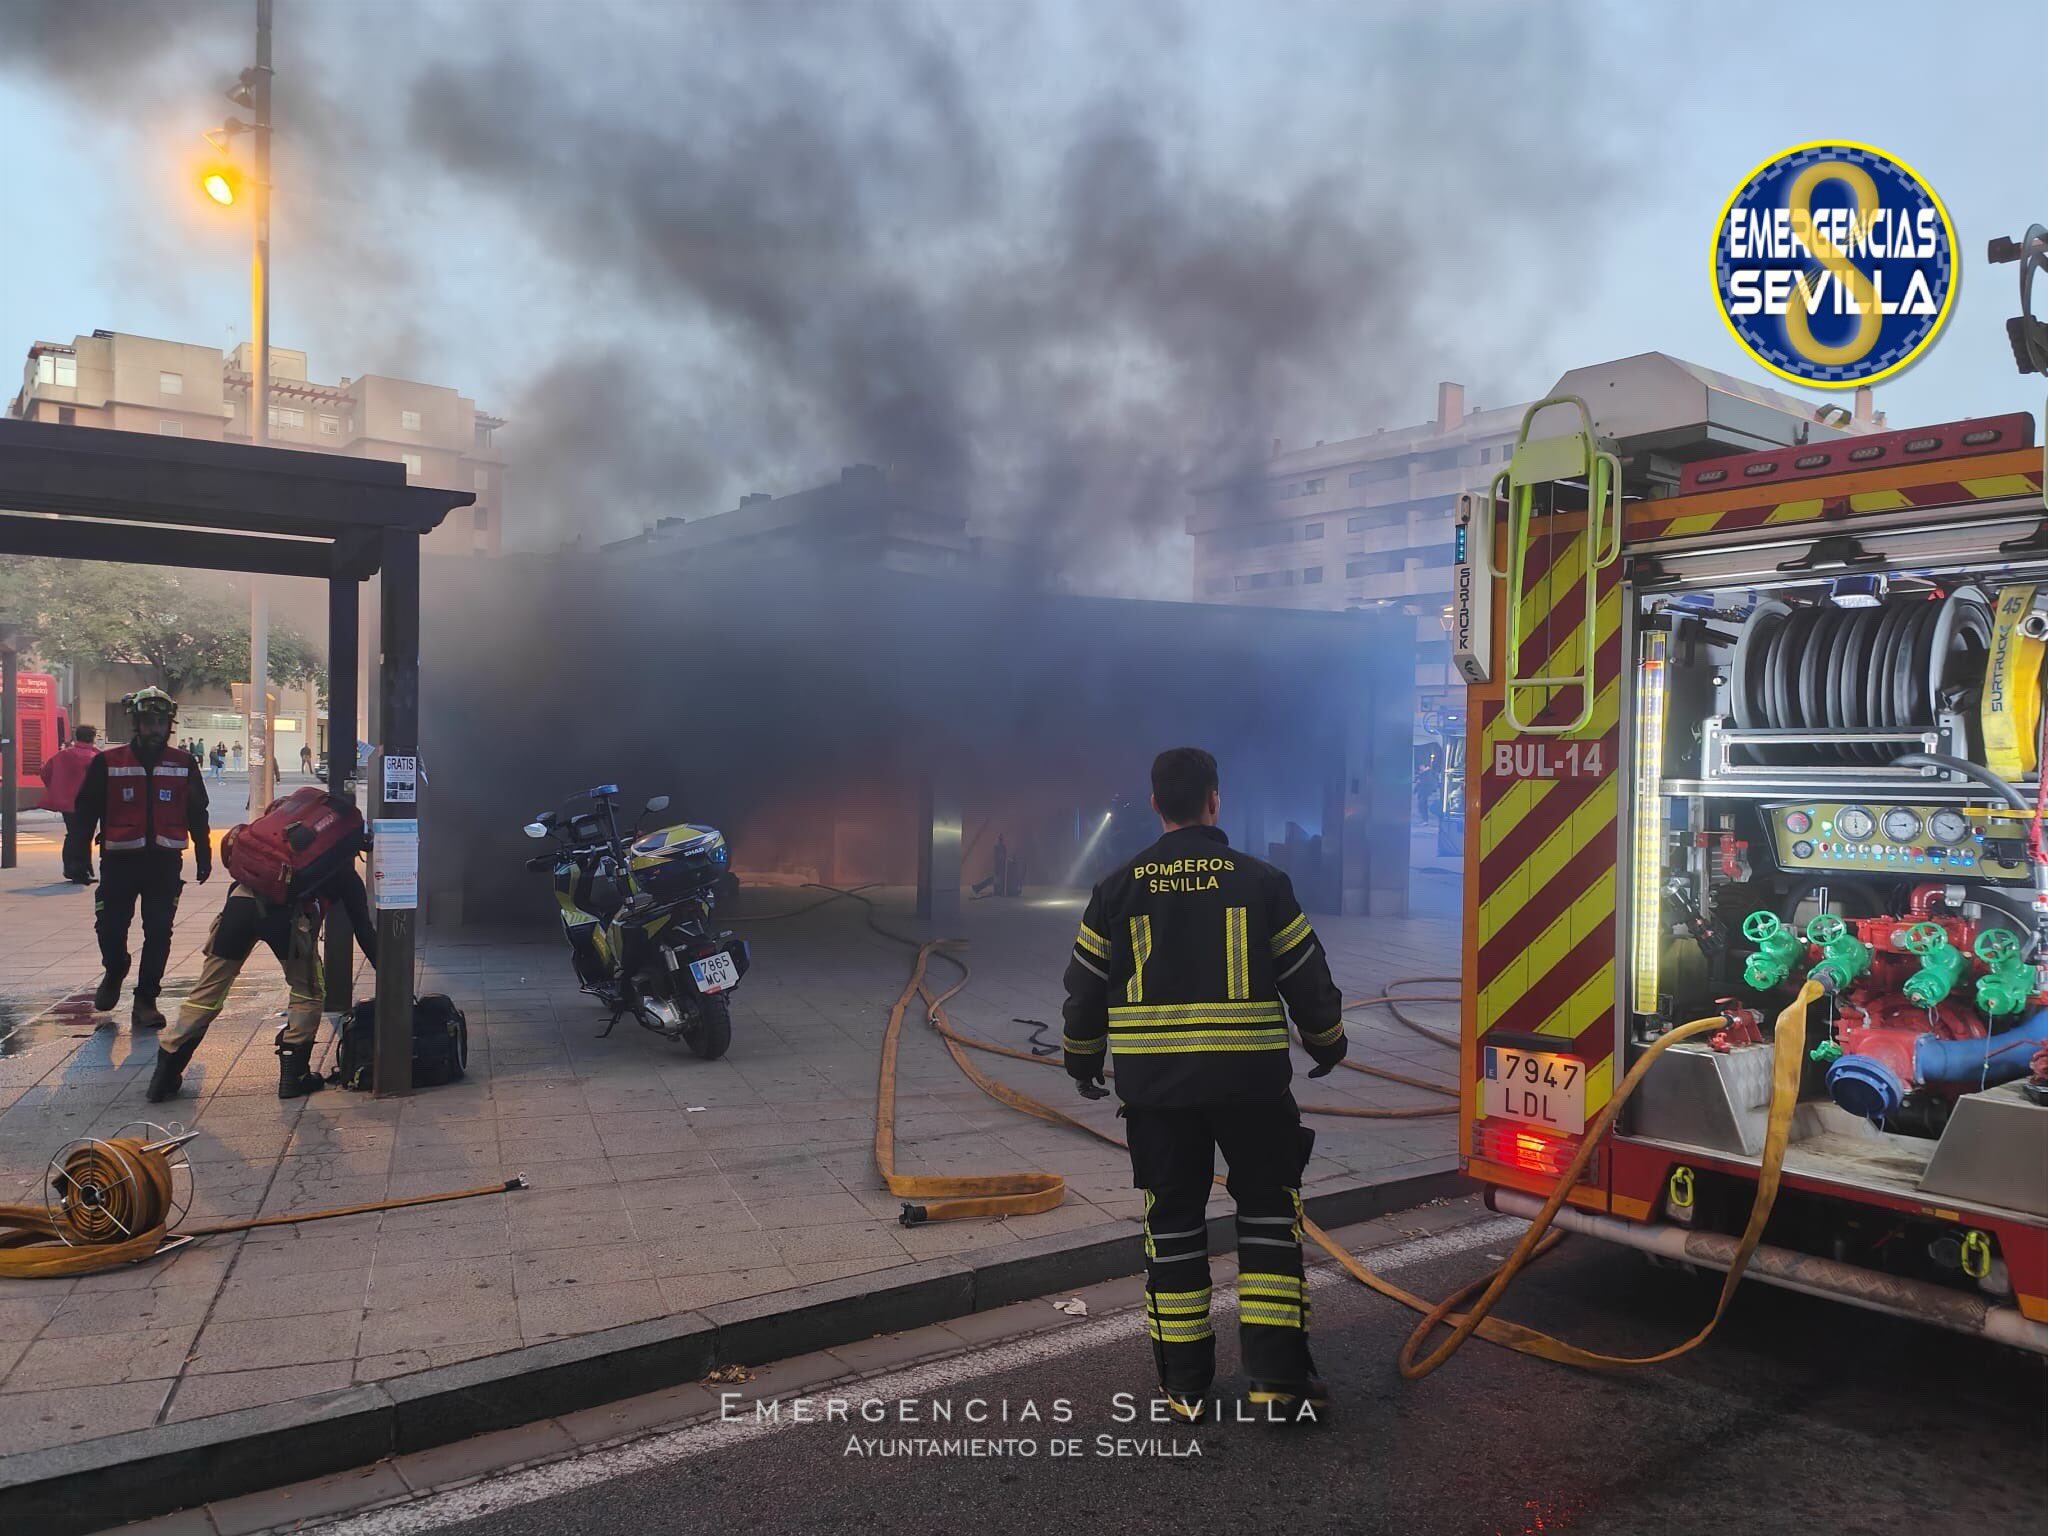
x,y
81,493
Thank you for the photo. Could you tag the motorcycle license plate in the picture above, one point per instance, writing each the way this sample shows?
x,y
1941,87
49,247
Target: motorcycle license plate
x,y
1541,1087
715,973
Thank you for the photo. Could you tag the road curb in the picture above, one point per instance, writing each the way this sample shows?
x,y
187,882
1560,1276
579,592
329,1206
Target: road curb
x,y
72,1490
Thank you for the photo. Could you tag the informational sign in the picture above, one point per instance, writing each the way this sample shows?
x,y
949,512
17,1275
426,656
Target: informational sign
x,y
401,780
395,864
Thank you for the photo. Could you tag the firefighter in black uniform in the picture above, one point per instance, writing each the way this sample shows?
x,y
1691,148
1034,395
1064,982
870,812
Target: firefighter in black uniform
x,y
149,801
1184,958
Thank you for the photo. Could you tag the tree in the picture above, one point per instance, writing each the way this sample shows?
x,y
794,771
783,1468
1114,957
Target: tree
x,y
189,629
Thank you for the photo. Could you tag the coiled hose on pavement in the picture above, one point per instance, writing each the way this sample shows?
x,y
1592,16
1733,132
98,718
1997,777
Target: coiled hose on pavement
x,y
112,1204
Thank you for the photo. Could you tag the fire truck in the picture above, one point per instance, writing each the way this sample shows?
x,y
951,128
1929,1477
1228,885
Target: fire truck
x,y
1748,713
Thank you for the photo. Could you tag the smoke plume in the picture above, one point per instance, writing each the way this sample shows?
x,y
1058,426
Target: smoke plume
x,y
1046,265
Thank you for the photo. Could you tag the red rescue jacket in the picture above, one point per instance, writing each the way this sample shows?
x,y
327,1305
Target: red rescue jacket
x,y
146,807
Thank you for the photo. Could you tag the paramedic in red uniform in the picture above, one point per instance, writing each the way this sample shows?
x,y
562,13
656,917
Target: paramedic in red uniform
x,y
149,802
62,777
1185,957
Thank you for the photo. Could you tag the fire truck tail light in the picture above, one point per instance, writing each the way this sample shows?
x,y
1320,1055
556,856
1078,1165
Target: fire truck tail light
x,y
1515,1145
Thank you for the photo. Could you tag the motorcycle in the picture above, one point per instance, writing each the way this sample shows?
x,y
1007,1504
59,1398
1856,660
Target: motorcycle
x,y
637,913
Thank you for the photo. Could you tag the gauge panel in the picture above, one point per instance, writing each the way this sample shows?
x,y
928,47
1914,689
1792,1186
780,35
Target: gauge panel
x,y
1931,841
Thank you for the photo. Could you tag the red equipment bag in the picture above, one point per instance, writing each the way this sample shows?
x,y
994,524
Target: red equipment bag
x,y
295,845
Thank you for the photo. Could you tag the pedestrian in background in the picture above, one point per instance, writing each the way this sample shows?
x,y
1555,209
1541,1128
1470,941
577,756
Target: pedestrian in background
x,y
306,758
238,757
62,774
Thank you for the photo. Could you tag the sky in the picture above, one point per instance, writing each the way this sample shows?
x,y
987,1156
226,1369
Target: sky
x,y
1049,261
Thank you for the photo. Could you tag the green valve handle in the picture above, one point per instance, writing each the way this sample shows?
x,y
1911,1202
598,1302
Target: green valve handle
x,y
1826,1053
1778,950
2010,981
1843,956
1940,963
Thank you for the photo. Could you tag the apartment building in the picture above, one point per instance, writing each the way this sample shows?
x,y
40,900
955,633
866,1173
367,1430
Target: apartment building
x,y
1367,522
144,384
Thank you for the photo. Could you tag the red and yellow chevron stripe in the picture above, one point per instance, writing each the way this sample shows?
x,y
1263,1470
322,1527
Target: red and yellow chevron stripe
x,y
1541,932
1865,492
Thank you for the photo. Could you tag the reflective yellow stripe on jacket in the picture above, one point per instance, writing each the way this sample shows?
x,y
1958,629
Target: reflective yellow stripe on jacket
x,y
1163,1028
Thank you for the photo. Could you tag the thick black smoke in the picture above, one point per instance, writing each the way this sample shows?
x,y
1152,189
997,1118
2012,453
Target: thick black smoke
x,y
1044,264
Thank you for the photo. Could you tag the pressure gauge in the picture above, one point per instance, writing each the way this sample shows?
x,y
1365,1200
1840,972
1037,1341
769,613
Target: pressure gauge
x,y
1855,823
1948,827
1798,823
1901,825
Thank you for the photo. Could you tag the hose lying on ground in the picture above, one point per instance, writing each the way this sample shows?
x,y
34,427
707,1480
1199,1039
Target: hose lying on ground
x,y
1788,1054
114,1206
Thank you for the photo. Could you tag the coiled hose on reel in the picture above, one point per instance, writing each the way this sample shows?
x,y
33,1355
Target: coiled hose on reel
x,y
1819,667
115,1200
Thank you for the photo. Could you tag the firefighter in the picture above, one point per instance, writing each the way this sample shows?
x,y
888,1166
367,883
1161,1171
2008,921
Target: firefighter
x,y
1184,958
149,802
292,930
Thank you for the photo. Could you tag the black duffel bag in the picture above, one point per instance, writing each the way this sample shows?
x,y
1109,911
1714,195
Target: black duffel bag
x,y
440,1043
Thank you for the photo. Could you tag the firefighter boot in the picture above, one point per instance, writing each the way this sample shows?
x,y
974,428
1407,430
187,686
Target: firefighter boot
x,y
295,1077
147,1015
170,1071
1303,1402
109,992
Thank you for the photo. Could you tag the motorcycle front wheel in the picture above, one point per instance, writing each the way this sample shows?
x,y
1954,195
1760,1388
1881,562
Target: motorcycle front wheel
x,y
711,1034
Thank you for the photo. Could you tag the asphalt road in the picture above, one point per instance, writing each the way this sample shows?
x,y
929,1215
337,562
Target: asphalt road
x,y
1799,1415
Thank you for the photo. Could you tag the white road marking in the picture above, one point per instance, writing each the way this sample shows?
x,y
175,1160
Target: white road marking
x,y
494,1493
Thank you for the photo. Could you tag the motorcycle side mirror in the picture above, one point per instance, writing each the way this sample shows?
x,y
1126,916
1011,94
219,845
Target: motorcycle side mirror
x,y
535,829
658,803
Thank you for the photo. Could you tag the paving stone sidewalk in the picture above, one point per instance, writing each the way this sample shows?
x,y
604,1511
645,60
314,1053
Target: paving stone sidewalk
x,y
660,1182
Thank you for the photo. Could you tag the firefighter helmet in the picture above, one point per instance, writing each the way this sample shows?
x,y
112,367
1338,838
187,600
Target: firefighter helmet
x,y
150,701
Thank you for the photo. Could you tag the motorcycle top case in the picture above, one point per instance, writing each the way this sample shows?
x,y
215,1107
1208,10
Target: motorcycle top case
x,y
298,842
440,1043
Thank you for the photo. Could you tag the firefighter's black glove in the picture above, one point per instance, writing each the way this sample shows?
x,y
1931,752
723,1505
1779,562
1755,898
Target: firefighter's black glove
x,y
1086,1071
1327,1056
202,865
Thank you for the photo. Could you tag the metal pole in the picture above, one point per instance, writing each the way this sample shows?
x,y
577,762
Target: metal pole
x,y
342,594
263,775
398,681
9,777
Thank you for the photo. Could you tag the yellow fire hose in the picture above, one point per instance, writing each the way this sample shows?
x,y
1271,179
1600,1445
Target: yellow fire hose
x,y
1017,1193
116,1207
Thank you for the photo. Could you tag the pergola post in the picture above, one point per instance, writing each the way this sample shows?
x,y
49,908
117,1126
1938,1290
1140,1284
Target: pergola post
x,y
398,684
938,850
343,590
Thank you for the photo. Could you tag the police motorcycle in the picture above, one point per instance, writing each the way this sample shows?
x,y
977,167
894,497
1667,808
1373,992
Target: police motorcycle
x,y
637,913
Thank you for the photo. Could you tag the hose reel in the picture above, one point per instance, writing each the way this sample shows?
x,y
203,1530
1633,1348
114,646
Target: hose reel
x,y
114,1189
1896,667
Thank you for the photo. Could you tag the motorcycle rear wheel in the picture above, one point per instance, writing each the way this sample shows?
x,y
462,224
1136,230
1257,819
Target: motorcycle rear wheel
x,y
711,1035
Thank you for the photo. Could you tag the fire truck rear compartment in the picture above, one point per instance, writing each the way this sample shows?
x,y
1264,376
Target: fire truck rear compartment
x,y
1843,787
